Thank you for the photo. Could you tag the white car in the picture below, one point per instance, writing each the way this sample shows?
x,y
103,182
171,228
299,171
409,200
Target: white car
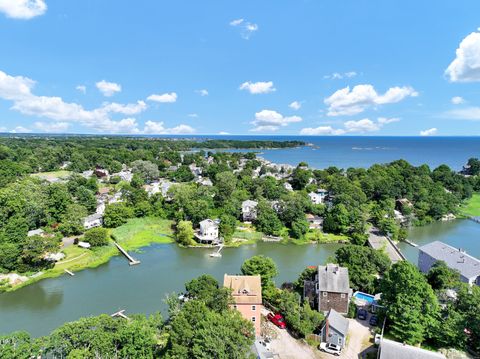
x,y
330,348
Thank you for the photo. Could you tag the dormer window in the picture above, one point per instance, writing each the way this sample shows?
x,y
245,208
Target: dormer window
x,y
244,291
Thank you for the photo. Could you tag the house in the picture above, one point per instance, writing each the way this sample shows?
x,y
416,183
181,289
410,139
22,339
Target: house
x,y
334,329
101,173
87,174
35,232
332,288
389,349
455,258
288,186
208,232
249,210
205,181
165,187
319,196
92,221
314,222
247,297
85,245
196,171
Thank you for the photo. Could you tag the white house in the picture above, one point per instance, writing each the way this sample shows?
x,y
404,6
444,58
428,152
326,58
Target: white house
x,y
92,221
249,210
36,232
288,186
208,231
319,196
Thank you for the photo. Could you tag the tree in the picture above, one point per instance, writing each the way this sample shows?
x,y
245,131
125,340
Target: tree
x,y
206,289
225,183
412,307
116,214
228,224
300,178
266,268
183,174
72,220
299,228
148,170
267,220
441,277
185,233
96,237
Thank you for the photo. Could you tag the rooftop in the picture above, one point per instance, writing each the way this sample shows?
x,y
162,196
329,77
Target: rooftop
x,y
333,278
246,289
338,321
390,349
455,258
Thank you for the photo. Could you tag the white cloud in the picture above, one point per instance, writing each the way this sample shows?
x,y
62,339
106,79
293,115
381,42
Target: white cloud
x,y
469,113
3,129
152,127
52,127
18,90
429,132
457,100
340,76
223,133
81,88
269,120
108,89
360,126
23,9
164,98
202,92
258,87
20,129
295,105
193,115
466,65
361,97
246,28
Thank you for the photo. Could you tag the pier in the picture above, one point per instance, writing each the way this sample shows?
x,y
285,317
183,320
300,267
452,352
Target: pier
x,y
121,314
68,272
379,242
411,243
132,261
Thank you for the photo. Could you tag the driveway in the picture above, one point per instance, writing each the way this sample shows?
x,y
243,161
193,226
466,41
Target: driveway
x,y
359,339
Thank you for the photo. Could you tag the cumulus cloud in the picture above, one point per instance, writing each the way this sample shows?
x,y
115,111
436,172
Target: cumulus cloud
x,y
18,89
108,89
52,127
350,102
20,129
466,65
258,87
246,28
340,76
269,120
163,98
295,105
360,126
202,92
457,100
468,113
429,132
82,89
23,9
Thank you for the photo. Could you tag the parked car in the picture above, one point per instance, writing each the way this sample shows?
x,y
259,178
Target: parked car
x,y
330,348
277,319
362,314
373,320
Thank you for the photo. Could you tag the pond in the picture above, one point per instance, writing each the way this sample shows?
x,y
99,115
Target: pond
x,y
43,306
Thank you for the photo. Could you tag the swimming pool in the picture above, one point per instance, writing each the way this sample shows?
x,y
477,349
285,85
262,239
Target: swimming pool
x,y
368,298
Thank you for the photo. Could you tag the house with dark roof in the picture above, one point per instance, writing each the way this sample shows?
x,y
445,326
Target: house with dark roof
x,y
455,258
331,289
334,329
389,349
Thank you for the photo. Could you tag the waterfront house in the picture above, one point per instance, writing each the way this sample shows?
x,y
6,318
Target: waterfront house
x,y
455,258
249,210
314,222
334,329
331,288
247,297
389,349
92,221
208,232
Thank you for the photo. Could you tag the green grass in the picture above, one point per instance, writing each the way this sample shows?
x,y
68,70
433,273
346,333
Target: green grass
x,y
320,237
472,206
52,175
136,233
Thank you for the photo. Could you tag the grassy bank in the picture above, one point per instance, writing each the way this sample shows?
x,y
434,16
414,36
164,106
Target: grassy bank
x,y
472,206
136,233
316,236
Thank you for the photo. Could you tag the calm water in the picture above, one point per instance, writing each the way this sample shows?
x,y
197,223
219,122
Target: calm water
x,y
355,151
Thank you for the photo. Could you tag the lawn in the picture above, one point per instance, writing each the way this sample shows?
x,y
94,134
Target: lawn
x,y
472,206
51,175
141,232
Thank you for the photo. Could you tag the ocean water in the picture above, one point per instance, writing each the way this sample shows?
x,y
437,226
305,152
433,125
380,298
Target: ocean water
x,y
363,151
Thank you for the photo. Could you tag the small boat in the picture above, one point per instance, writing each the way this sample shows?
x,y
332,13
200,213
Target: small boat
x,y
217,254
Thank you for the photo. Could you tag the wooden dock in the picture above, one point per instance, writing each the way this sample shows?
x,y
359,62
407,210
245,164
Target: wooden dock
x,y
68,272
411,243
121,314
132,261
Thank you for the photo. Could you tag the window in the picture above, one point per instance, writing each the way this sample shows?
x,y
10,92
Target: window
x,y
342,295
254,307
234,306
339,341
254,319
324,294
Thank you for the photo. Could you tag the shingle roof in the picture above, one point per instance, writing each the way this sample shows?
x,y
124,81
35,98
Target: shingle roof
x,y
468,266
390,349
333,278
338,322
246,289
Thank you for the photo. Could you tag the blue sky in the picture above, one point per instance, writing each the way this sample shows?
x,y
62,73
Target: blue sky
x,y
240,67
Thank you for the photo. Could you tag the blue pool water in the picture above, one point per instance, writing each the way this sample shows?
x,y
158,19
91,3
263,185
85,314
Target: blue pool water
x,y
363,296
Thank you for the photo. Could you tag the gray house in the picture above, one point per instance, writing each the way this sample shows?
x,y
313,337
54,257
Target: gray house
x,y
455,258
335,329
249,210
389,349
333,288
